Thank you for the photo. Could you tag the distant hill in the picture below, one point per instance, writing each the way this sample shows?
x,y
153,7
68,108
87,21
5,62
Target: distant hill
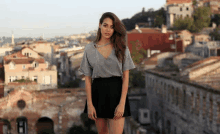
x,y
142,17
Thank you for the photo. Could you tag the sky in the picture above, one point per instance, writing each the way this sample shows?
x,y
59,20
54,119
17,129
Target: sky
x,y
28,18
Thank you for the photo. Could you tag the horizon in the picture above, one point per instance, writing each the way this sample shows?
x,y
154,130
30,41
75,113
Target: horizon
x,y
62,18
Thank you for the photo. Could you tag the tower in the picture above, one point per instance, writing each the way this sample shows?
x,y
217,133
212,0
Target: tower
x,y
12,39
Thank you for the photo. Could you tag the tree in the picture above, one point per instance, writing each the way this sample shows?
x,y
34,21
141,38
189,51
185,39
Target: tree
x,y
160,18
136,78
215,34
215,19
194,3
202,17
185,23
138,53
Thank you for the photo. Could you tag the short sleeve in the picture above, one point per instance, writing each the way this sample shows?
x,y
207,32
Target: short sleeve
x,y
85,67
128,62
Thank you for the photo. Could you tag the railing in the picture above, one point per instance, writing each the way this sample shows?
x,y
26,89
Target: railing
x,y
132,127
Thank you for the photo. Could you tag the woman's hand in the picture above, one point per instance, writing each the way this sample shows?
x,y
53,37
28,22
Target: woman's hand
x,y
119,111
91,112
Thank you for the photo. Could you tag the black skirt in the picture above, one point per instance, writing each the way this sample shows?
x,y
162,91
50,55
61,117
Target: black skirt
x,y
106,95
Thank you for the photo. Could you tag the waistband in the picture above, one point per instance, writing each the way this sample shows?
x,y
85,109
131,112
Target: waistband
x,y
105,78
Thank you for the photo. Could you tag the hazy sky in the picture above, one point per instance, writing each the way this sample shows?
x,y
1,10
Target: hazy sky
x,y
29,18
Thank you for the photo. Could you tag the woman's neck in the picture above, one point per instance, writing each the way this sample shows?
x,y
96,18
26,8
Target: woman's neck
x,y
103,41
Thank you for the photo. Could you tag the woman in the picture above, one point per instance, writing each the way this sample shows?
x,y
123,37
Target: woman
x,y
107,61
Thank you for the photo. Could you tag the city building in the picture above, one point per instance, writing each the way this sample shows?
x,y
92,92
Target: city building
x,y
28,64
154,40
205,48
186,101
177,9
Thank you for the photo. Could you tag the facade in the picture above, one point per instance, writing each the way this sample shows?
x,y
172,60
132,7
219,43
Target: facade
x,y
201,37
177,9
29,64
185,35
63,68
205,49
185,102
32,112
40,46
155,42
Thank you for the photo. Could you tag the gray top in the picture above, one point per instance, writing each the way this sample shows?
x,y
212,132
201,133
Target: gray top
x,y
96,65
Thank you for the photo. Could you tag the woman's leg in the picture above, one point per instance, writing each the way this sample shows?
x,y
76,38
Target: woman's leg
x,y
116,126
102,125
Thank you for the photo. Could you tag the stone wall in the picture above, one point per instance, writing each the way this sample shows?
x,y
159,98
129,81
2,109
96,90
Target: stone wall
x,y
188,108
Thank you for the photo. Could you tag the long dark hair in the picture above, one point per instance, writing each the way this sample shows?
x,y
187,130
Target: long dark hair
x,y
119,36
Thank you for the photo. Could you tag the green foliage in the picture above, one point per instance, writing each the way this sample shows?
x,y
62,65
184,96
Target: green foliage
x,y
200,19
136,78
70,84
23,80
160,18
138,53
194,2
215,19
215,34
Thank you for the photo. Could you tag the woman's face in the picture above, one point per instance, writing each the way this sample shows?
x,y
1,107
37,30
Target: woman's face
x,y
107,28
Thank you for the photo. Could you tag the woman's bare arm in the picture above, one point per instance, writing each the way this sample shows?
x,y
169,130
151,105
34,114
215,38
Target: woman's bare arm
x,y
88,84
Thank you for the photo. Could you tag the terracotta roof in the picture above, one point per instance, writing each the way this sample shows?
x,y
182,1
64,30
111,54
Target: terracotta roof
x,y
178,1
146,30
63,54
24,61
201,61
17,54
32,50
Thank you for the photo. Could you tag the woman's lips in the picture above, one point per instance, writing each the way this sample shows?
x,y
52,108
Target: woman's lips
x,y
107,34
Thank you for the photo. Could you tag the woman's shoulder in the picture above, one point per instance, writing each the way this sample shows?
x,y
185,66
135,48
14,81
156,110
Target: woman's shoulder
x,y
89,46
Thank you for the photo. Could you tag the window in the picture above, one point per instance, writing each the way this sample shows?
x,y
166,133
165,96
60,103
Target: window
x,y
173,98
35,64
173,46
171,37
218,112
184,98
12,66
192,102
30,53
23,66
174,130
145,115
35,78
165,93
22,77
177,96
211,109
181,9
168,96
9,79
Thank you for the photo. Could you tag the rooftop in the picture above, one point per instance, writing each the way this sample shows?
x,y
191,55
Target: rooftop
x,y
210,78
